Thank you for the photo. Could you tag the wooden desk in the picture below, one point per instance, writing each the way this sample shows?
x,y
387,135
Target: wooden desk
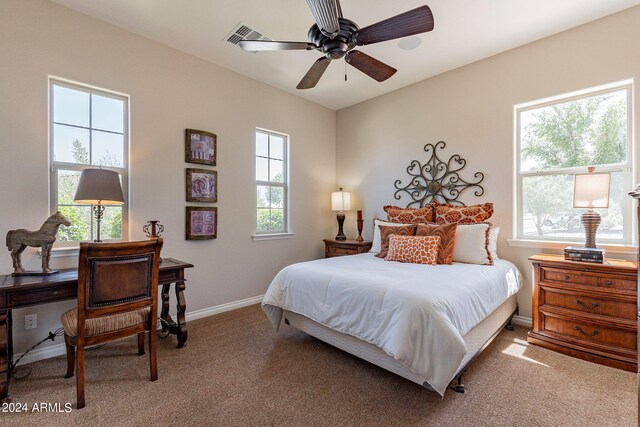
x,y
25,291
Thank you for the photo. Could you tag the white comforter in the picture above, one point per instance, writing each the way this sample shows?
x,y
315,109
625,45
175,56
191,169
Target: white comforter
x,y
415,313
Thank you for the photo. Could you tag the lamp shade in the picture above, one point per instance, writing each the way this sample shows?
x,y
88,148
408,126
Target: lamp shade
x,y
340,200
591,190
99,187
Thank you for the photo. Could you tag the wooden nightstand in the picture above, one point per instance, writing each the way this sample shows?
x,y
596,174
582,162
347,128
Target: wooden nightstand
x,y
586,310
333,247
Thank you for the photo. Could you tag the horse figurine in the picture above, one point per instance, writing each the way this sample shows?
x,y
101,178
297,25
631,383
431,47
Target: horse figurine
x,y
18,240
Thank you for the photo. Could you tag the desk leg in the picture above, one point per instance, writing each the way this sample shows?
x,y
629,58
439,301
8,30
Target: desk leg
x,y
182,308
5,348
164,314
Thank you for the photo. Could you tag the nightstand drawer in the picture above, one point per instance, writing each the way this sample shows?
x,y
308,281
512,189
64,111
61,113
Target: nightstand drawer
x,y
335,248
578,277
568,276
589,304
591,332
617,283
338,250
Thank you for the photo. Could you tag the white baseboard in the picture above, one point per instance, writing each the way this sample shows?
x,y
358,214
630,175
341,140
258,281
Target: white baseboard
x,y
206,312
523,321
42,353
59,349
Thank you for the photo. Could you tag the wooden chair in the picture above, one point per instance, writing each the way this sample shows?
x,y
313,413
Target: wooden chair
x,y
117,297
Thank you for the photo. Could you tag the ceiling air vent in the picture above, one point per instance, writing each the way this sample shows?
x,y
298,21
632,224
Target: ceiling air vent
x,y
244,32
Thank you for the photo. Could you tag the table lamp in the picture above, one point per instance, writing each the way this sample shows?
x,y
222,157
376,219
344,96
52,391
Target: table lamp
x,y
591,190
340,201
99,187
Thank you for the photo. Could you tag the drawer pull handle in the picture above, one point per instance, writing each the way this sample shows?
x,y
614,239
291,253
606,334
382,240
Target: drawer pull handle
x,y
581,304
55,292
593,334
567,277
608,283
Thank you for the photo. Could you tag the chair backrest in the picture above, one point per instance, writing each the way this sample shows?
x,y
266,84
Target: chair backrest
x,y
117,277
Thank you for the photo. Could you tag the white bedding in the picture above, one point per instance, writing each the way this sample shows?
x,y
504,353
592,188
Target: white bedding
x,y
415,313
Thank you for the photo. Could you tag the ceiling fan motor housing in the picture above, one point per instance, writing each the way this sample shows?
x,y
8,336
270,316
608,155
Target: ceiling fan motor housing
x,y
338,46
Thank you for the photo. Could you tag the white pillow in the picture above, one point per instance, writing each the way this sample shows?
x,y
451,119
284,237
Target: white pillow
x,y
375,246
471,244
493,242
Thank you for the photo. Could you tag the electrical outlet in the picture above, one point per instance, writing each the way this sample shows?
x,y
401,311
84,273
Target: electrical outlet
x,y
31,321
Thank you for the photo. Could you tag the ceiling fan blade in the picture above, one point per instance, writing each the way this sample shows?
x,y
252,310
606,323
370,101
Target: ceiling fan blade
x,y
416,21
370,66
264,45
326,13
310,80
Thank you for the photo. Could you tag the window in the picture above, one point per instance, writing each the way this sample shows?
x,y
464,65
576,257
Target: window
x,y
88,128
560,138
271,182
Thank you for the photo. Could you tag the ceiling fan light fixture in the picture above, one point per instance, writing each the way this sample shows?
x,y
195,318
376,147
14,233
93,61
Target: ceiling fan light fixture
x,y
410,43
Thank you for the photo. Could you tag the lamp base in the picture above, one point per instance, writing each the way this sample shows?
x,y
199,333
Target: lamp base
x,y
590,221
98,211
340,235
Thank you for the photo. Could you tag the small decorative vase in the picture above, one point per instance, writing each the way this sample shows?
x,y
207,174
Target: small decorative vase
x,y
360,223
152,229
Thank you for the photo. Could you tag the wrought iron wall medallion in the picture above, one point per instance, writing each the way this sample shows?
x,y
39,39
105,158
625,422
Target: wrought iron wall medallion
x,y
437,180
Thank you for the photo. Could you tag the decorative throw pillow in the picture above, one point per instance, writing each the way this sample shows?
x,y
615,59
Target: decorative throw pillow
x,y
449,214
413,249
447,234
386,231
493,242
409,215
471,244
375,246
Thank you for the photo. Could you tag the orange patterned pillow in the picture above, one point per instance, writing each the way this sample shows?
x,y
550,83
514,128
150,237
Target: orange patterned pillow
x,y
388,230
447,234
448,214
413,249
409,215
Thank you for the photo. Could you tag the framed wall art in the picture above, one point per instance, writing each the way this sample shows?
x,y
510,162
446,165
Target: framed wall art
x,y
202,223
200,147
202,185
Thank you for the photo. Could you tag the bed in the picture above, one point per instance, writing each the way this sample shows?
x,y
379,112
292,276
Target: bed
x,y
423,323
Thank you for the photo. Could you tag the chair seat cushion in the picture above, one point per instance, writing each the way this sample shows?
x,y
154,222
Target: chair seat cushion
x,y
105,324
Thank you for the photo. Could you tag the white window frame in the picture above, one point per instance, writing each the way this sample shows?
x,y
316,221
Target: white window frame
x,y
626,168
55,166
285,185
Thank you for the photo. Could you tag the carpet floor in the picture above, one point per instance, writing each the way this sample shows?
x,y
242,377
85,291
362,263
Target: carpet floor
x,y
236,370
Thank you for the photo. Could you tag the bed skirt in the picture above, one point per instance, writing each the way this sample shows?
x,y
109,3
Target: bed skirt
x,y
475,340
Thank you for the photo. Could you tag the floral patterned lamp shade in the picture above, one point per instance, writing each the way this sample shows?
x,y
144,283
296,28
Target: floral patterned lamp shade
x,y
99,187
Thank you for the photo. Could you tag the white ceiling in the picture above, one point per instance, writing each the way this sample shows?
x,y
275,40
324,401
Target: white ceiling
x,y
465,31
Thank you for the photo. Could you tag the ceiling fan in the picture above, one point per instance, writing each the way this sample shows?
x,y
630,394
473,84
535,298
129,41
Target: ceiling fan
x,y
336,37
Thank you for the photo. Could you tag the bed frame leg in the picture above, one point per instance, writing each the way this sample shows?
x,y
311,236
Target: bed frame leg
x,y
509,326
459,387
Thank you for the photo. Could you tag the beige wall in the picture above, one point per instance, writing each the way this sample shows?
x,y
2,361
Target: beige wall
x,y
170,91
471,108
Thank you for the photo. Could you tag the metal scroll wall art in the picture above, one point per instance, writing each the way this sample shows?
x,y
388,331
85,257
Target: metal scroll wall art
x,y
437,180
